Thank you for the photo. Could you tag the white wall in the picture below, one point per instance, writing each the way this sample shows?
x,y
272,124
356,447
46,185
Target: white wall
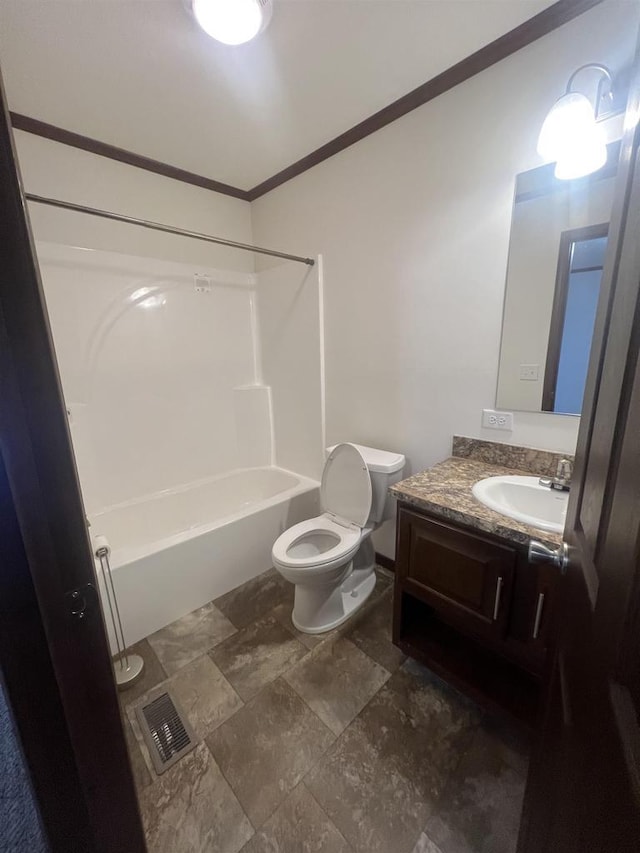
x,y
413,224
58,171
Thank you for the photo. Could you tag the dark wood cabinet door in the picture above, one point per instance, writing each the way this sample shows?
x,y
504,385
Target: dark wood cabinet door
x,y
531,618
542,608
465,578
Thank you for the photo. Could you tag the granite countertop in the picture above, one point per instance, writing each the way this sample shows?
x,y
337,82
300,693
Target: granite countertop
x,y
445,492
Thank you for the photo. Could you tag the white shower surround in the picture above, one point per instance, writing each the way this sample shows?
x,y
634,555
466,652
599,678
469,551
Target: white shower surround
x,y
151,368
177,434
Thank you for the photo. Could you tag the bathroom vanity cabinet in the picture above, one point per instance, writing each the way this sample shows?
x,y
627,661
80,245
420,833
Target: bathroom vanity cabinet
x,y
471,607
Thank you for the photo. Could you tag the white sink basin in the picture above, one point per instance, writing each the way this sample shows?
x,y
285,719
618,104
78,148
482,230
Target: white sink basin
x,y
524,499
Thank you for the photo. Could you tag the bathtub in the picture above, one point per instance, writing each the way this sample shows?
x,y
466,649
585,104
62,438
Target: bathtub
x,y
175,550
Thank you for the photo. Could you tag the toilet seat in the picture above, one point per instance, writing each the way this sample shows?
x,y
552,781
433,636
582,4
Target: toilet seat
x,y
345,490
347,544
345,497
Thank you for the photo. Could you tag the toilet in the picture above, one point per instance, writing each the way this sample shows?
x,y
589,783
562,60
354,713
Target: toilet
x,y
330,558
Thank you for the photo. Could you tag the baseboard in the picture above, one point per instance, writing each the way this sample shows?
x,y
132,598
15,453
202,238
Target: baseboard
x,y
385,562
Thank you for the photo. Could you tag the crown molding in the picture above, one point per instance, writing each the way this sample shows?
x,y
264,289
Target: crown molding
x,y
540,25
104,149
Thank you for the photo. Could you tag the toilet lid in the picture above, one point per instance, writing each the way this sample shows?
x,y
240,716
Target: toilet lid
x,y
346,486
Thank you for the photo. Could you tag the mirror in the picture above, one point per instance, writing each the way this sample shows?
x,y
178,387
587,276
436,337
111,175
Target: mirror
x,y
556,255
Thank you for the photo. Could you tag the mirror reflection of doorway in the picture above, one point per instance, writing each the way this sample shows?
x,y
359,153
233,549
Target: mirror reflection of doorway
x,y
580,263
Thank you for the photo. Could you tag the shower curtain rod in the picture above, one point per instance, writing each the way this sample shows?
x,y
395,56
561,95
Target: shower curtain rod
x,y
168,229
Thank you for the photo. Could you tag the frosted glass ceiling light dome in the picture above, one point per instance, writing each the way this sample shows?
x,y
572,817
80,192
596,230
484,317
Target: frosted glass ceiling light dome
x,y
232,21
570,134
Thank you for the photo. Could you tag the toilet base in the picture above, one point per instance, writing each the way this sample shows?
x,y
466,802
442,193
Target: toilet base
x,y
317,610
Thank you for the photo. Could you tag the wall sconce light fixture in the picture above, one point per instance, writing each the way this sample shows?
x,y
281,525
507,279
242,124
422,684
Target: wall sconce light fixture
x,y
570,134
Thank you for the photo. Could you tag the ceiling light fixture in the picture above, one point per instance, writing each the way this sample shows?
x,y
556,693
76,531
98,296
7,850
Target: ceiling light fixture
x,y
570,134
232,21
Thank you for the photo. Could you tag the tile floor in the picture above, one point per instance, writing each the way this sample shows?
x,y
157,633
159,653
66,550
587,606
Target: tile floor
x,y
333,744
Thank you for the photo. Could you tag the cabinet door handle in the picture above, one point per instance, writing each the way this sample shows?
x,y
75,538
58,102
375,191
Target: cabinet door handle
x,y
496,604
538,619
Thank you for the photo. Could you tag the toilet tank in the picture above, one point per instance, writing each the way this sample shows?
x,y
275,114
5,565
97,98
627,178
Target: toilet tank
x,y
385,469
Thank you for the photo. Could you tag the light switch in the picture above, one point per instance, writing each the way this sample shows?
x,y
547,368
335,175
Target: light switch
x,y
529,372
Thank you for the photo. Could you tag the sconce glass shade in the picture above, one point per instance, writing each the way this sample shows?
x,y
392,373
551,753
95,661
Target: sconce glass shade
x,y
566,123
232,21
590,156
571,137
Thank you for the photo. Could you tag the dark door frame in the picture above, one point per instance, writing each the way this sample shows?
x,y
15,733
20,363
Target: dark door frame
x,y
560,294
583,788
31,690
56,667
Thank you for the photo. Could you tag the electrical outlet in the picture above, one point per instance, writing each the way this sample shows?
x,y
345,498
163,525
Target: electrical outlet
x,y
529,372
497,420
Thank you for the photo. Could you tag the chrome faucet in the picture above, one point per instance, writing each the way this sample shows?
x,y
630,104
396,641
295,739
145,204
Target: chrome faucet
x,y
562,479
